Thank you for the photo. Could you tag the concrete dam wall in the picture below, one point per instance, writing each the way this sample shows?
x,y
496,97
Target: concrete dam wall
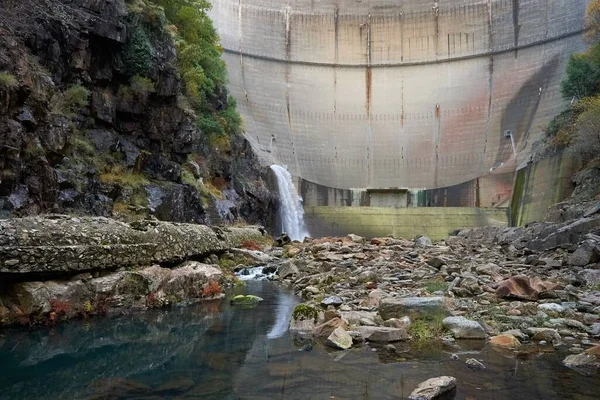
x,y
393,93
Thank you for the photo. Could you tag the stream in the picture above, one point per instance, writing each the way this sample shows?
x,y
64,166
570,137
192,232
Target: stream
x,y
216,351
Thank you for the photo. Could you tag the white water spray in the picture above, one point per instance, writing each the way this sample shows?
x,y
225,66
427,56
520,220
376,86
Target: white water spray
x,y
291,212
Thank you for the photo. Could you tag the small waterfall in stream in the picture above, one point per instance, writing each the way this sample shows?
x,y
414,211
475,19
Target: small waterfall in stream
x,y
291,213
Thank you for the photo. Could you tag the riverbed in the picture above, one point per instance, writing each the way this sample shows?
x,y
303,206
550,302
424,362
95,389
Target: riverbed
x,y
216,351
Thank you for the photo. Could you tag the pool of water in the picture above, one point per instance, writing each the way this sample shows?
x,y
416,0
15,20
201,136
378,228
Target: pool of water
x,y
214,351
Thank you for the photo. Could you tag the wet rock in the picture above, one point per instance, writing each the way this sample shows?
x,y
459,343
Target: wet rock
x,y
392,307
175,386
435,388
505,341
547,335
474,364
332,301
463,328
339,339
383,334
246,300
283,239
584,363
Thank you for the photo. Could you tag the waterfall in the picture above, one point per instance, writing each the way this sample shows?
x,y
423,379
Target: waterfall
x,y
291,213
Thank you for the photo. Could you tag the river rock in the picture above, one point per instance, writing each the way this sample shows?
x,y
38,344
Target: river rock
x,y
331,301
401,323
474,364
422,241
591,277
434,388
584,363
339,339
588,252
545,334
325,329
383,334
287,269
356,238
355,317
505,341
247,300
463,328
393,307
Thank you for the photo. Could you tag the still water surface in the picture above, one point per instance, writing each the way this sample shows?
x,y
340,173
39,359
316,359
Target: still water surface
x,y
214,351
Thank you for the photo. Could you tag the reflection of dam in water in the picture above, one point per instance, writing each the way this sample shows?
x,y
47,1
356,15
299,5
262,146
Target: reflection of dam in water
x,y
398,94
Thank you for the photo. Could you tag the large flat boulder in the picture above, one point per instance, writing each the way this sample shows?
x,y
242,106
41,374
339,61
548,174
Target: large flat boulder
x,y
463,328
60,243
392,307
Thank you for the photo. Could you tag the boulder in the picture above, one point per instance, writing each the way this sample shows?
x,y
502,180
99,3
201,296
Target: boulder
x,y
402,323
422,241
287,269
545,334
393,307
325,329
69,244
505,341
331,301
435,388
591,277
474,364
584,363
522,287
246,300
588,252
339,339
383,334
356,238
463,328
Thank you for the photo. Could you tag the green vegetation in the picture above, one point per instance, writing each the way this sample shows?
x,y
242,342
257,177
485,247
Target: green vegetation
x,y
436,285
138,52
426,326
118,174
577,128
70,101
304,311
199,62
7,80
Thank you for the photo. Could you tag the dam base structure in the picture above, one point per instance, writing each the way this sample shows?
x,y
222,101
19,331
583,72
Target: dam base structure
x,y
384,94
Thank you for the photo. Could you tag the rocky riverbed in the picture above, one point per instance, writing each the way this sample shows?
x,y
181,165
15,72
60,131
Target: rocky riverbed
x,y
526,290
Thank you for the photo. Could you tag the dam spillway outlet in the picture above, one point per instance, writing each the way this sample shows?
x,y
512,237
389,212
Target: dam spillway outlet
x,y
382,93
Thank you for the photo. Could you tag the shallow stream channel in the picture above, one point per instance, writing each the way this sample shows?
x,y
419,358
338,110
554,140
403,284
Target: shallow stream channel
x,y
217,351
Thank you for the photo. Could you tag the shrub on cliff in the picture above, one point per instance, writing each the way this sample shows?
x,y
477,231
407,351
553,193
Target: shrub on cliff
x,y
137,55
71,100
7,80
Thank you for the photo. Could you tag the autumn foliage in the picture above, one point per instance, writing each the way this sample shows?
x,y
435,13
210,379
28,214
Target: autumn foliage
x,y
211,289
250,245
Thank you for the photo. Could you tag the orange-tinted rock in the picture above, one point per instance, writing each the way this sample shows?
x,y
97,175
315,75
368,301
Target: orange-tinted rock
x,y
594,351
505,341
523,288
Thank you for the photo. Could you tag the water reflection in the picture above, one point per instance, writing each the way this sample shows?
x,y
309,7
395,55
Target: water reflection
x,y
218,352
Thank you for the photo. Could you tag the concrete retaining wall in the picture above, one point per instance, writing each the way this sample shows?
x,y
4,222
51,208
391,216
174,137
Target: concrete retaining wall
x,y
540,185
437,223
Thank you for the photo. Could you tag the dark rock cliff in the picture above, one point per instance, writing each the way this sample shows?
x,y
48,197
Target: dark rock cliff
x,y
79,134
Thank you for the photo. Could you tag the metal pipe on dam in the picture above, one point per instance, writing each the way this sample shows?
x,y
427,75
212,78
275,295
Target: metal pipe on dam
x,y
397,93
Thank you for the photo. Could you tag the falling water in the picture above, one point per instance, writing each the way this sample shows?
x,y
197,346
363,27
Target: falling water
x,y
291,212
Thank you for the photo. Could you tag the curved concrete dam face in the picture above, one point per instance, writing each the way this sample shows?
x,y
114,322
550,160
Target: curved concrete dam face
x,y
397,93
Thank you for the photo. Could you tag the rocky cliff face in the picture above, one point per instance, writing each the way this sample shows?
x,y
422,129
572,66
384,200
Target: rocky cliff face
x,y
81,133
